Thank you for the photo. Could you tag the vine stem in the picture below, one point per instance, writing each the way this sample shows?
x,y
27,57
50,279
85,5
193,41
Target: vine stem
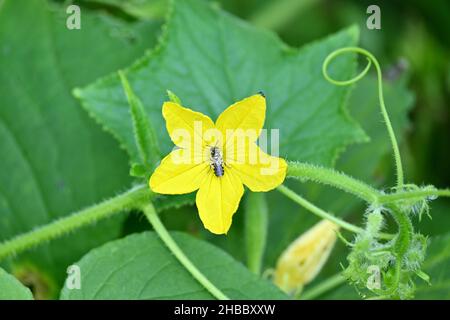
x,y
127,200
162,232
371,59
388,198
309,172
305,171
323,214
322,287
317,211
403,238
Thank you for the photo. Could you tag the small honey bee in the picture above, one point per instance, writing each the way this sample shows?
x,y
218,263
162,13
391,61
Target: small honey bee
x,y
217,161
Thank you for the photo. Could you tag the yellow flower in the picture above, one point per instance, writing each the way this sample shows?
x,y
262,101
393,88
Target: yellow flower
x,y
217,159
304,258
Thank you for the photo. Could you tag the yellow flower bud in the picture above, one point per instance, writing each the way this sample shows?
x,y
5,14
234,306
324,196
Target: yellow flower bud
x,y
303,259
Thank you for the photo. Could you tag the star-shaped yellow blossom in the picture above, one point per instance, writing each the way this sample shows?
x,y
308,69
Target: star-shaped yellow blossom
x,y
217,159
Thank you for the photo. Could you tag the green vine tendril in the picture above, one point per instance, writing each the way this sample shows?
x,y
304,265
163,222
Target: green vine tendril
x,y
406,251
371,60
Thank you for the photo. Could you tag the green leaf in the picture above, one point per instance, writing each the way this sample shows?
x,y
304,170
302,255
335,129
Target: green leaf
x,y
144,134
138,170
423,276
211,60
144,9
157,274
12,289
173,97
256,225
55,159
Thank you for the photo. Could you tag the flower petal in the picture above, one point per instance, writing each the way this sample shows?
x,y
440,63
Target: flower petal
x,y
218,199
247,115
178,173
258,170
186,127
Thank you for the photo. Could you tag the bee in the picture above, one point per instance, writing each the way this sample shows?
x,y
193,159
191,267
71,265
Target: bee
x,y
217,161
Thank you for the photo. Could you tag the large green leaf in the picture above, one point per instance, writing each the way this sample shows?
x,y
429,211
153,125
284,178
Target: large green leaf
x,y
12,289
141,267
54,158
211,59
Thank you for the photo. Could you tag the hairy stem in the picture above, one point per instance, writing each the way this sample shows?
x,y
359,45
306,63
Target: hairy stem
x,y
304,171
324,286
405,231
127,200
401,244
323,214
388,198
152,216
317,211
309,172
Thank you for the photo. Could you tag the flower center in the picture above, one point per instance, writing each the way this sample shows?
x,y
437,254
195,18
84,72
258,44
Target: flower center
x,y
217,161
